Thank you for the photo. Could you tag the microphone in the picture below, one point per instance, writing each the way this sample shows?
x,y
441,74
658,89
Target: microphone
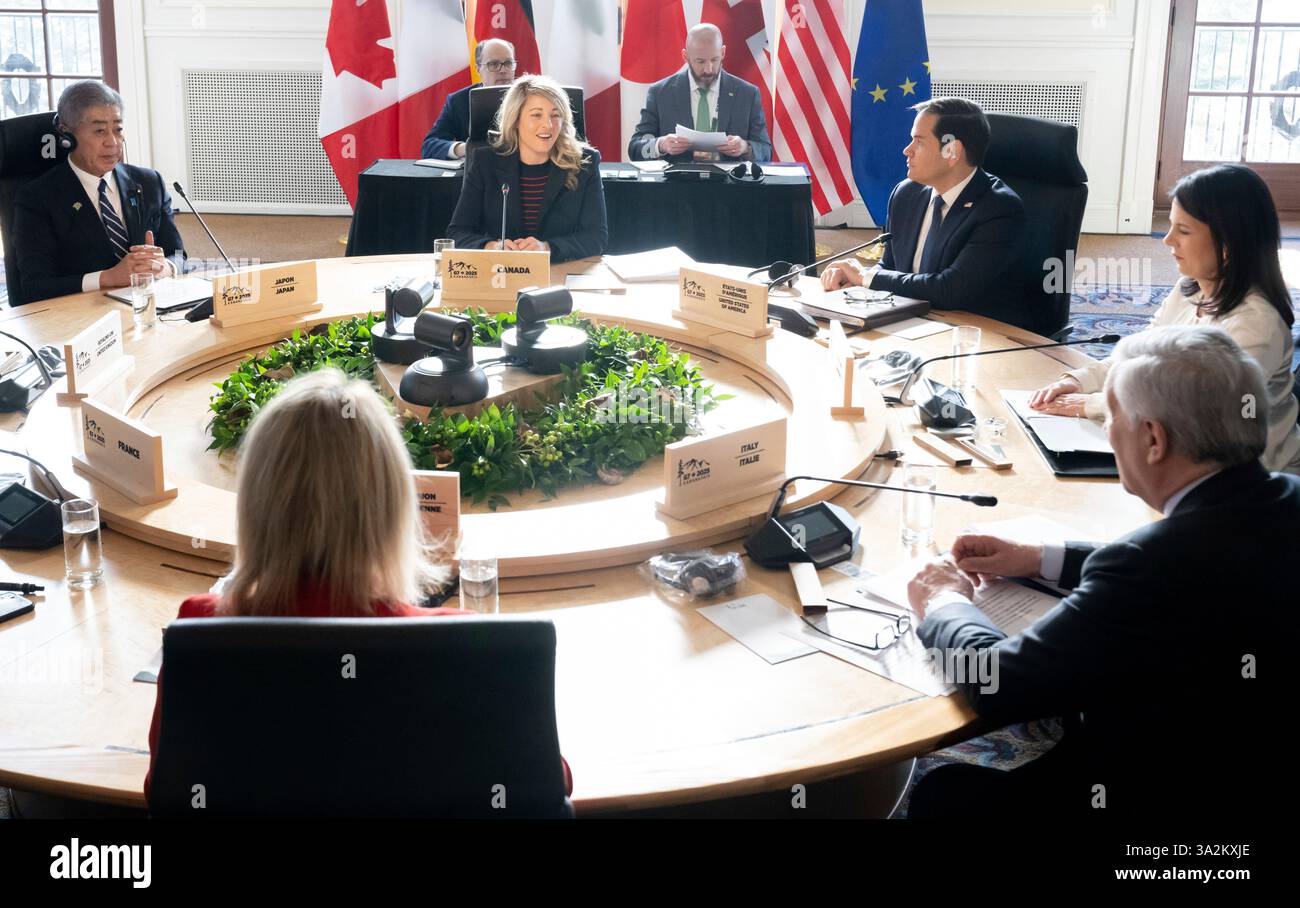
x,y
505,191
13,394
177,187
904,394
781,271
824,533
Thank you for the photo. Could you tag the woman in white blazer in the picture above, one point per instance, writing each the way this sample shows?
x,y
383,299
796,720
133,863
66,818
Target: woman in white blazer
x,y
1224,235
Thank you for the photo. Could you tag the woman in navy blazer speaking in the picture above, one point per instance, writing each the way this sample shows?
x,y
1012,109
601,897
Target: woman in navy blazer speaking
x,y
547,181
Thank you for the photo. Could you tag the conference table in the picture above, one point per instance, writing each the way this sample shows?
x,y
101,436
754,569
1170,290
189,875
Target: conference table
x,y
658,710
402,207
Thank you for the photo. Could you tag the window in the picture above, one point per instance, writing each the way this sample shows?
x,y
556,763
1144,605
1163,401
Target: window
x,y
46,45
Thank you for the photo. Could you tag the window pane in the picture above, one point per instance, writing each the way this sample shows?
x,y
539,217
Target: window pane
x,y
1214,128
1277,67
1281,11
1274,131
1221,59
1226,10
67,4
21,4
22,43
22,96
74,44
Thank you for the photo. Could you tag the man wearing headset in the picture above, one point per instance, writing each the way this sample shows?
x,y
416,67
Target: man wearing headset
x,y
957,230
91,222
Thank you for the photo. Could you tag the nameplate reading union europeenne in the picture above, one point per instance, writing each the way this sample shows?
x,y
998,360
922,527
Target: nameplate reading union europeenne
x,y
94,358
702,474
262,293
438,493
723,302
486,275
123,454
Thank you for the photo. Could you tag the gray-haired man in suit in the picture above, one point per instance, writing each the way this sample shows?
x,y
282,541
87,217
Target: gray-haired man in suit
x,y
703,96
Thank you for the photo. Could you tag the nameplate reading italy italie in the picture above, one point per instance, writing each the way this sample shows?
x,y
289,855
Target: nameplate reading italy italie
x,y
264,292
702,474
438,494
491,276
723,302
123,454
94,358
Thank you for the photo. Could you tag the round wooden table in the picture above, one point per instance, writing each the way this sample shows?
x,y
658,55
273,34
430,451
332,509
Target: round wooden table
x,y
657,707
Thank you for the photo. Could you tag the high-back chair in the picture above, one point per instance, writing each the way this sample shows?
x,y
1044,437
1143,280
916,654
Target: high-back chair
x,y
27,150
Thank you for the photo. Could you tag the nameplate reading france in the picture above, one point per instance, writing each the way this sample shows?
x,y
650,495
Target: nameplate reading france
x,y
484,274
438,493
722,302
265,292
702,474
123,454
94,358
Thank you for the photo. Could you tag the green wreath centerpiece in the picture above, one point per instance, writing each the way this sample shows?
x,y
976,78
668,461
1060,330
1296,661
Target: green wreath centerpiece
x,y
631,396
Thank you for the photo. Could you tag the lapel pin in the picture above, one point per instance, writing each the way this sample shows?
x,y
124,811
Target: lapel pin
x,y
76,206
968,204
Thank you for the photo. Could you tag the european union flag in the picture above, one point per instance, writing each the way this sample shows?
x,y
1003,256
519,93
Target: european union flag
x,y
890,73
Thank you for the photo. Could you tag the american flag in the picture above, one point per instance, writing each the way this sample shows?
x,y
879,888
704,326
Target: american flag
x,y
812,85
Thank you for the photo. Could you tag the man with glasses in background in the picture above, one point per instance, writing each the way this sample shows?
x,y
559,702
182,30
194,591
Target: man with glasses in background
x,y
495,60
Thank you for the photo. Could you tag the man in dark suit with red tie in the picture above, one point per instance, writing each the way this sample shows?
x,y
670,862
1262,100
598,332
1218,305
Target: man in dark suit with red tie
x,y
92,221
956,229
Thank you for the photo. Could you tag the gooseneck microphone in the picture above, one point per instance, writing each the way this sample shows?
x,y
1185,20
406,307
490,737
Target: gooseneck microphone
x,y
204,224
904,395
780,271
14,395
505,192
983,501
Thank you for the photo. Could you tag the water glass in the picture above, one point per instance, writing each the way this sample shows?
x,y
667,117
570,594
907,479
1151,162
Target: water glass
x,y
965,339
439,247
478,585
83,552
143,300
991,431
918,509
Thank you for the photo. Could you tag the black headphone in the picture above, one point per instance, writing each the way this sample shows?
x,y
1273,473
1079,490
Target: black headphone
x,y
67,140
746,172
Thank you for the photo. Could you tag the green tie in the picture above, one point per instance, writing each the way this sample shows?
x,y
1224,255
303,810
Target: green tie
x,y
702,118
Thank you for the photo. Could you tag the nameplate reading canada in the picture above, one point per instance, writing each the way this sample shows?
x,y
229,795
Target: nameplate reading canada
x,y
721,301
265,292
701,474
484,274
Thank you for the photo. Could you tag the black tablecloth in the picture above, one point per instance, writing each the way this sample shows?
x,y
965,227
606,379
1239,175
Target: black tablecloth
x,y
402,207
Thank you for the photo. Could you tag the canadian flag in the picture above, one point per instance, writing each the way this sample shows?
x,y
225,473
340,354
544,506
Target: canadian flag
x,y
744,32
588,58
377,104
654,33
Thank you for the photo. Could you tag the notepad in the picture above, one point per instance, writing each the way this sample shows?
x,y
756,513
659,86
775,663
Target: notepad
x,y
1059,433
442,163
654,265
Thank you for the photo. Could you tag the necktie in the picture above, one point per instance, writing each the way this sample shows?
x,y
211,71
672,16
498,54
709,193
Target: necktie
x,y
702,119
112,224
931,250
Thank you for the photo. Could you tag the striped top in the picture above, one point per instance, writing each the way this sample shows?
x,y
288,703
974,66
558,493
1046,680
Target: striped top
x,y
532,186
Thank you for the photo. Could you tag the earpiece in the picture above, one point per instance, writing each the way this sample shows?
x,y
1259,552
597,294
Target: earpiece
x,y
67,141
746,172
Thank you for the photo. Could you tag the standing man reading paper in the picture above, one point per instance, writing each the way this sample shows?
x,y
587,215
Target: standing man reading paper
x,y
92,222
703,96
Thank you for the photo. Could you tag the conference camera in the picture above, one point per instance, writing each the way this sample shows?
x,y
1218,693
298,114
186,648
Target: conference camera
x,y
545,349
449,378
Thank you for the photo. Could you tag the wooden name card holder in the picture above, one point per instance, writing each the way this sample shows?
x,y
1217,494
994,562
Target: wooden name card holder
x,y
702,474
263,293
484,275
438,492
123,454
722,302
842,367
94,359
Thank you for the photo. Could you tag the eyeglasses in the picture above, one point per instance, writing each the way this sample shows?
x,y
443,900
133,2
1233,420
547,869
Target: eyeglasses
x,y
884,638
496,66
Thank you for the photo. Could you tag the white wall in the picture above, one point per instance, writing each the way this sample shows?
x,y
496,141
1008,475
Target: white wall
x,y
1116,47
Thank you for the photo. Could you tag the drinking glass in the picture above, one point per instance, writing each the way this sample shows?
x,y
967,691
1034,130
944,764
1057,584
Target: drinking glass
x,y
143,300
439,247
918,509
478,584
965,339
83,553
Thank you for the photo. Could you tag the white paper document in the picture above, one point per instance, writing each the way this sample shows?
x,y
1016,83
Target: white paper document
x,y
904,662
442,163
704,141
599,281
914,328
1058,433
762,625
654,265
170,291
655,166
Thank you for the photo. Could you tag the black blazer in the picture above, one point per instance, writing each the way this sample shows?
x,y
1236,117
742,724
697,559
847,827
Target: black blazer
x,y
452,126
668,102
1149,647
59,238
980,240
572,222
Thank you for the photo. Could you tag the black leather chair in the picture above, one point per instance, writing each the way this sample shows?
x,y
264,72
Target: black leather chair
x,y
1039,159
26,144
443,717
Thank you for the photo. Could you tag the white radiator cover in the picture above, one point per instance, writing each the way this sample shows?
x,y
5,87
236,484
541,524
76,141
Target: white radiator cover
x,y
1059,101
251,143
